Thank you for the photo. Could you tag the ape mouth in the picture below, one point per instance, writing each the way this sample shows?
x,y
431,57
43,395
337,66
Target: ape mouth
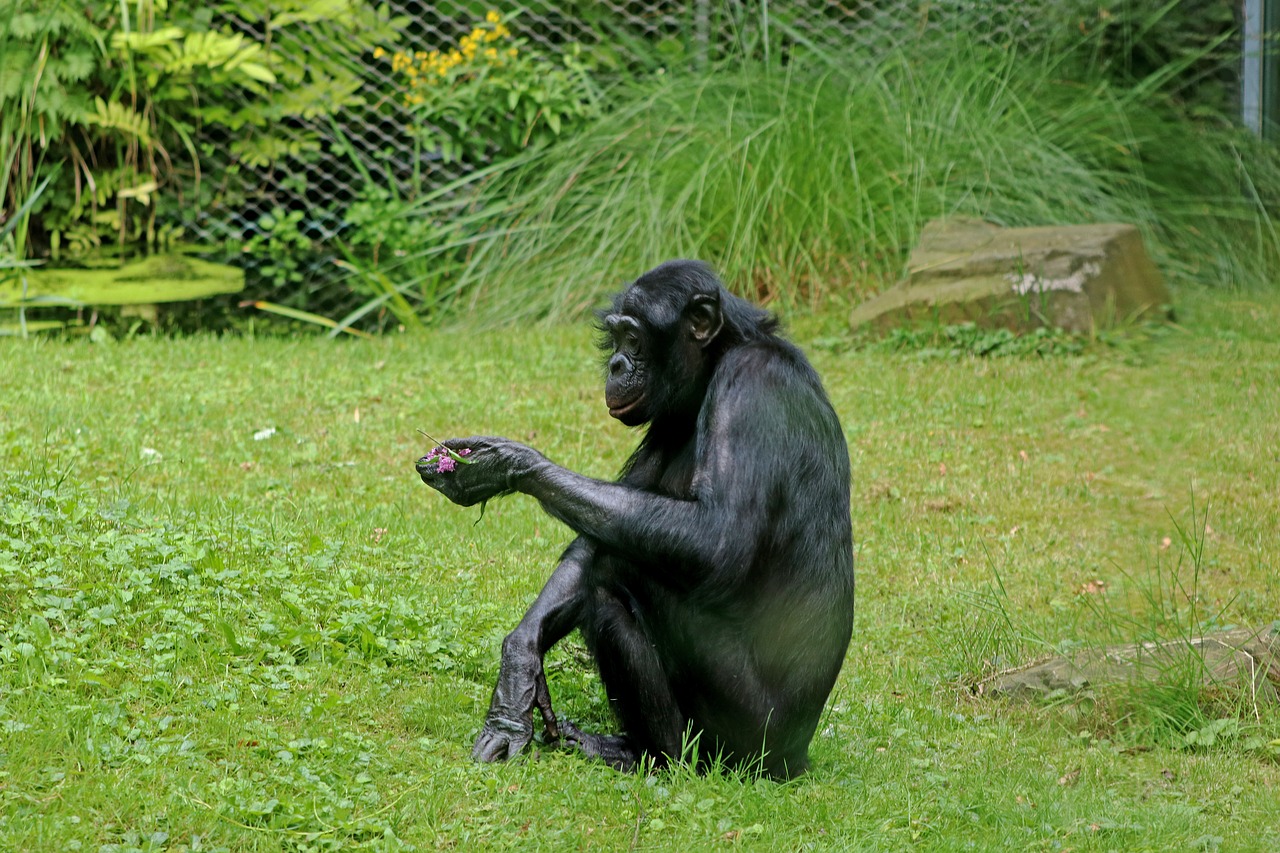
x,y
621,410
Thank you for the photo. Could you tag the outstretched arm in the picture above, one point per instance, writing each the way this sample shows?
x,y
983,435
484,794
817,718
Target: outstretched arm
x,y
522,684
619,516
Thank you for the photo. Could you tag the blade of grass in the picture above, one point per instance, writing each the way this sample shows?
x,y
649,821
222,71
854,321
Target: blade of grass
x,y
304,316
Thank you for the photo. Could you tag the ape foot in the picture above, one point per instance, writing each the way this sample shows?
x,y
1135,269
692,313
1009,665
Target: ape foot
x,y
614,750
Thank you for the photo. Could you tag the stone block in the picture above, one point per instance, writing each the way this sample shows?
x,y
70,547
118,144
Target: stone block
x,y
1076,277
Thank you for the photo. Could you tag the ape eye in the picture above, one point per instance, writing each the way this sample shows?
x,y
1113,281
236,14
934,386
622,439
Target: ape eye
x,y
626,339
625,332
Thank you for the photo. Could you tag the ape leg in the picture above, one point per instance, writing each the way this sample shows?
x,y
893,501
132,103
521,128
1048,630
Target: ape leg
x,y
522,684
638,687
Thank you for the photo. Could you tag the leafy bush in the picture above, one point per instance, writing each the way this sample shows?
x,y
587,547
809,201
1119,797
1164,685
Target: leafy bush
x,y
128,100
109,97
486,104
493,94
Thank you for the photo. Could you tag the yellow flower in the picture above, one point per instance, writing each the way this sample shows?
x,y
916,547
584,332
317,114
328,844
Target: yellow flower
x,y
491,53
378,53
493,17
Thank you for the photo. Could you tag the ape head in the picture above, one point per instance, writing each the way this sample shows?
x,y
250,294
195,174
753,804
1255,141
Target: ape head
x,y
662,336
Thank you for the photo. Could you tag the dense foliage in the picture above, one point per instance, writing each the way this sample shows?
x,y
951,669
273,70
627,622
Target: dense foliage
x,y
122,102
380,168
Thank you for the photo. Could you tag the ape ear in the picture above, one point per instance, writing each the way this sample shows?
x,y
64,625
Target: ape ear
x,y
704,318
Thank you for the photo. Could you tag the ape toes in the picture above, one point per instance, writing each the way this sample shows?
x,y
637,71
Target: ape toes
x,y
488,750
614,750
496,747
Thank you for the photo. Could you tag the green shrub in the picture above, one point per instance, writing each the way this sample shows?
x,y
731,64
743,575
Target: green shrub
x,y
493,94
125,101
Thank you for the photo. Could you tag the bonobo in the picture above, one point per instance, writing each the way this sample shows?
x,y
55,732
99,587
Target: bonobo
x,y
713,582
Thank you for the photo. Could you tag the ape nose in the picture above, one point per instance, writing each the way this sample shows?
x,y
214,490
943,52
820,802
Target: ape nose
x,y
618,364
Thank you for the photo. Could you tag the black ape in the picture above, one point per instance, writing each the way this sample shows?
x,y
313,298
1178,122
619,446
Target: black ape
x,y
713,582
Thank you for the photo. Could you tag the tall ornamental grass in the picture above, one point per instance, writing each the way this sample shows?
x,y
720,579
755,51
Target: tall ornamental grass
x,y
806,185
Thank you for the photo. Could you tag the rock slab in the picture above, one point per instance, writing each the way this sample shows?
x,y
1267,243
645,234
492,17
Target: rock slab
x,y
1076,277
1246,660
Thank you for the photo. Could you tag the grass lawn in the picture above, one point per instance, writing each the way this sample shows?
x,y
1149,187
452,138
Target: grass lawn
x,y
214,636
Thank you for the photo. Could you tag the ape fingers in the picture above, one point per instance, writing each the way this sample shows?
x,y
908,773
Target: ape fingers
x,y
505,736
470,470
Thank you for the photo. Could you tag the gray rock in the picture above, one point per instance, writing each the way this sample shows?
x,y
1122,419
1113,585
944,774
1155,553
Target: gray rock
x,y
1244,660
1076,277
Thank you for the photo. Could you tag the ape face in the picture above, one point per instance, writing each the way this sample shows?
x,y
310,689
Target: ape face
x,y
657,360
626,385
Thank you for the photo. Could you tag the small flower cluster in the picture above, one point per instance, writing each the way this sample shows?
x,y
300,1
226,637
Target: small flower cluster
x,y
487,46
444,458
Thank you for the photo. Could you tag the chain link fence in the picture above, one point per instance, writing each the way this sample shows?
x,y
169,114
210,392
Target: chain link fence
x,y
285,206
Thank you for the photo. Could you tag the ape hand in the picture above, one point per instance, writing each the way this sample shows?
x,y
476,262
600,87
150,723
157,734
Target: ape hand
x,y
490,468
508,727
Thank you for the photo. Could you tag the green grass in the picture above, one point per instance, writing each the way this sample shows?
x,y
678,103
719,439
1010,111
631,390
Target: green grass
x,y
807,185
209,641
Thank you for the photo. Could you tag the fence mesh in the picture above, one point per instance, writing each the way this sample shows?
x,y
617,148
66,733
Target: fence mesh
x,y
322,159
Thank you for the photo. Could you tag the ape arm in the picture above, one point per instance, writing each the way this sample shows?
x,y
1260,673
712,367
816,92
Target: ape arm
x,y
620,517
522,684
626,519
741,459
554,613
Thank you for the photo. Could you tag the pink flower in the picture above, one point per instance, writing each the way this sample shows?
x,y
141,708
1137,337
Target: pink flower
x,y
445,463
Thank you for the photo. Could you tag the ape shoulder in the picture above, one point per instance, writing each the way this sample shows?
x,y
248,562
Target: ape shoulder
x,y
770,366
